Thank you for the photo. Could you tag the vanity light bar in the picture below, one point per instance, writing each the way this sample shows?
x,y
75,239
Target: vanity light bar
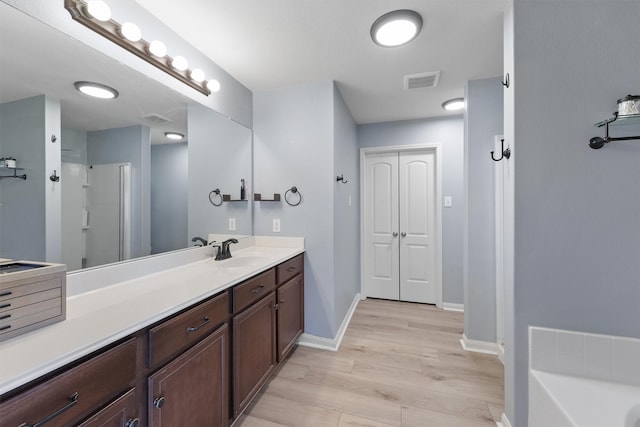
x,y
112,30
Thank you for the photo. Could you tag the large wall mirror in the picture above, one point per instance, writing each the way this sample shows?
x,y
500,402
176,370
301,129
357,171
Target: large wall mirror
x,y
125,191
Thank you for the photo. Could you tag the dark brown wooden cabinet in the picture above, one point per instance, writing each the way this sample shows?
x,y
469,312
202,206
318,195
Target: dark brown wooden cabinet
x,y
199,367
120,413
254,350
290,315
193,390
75,394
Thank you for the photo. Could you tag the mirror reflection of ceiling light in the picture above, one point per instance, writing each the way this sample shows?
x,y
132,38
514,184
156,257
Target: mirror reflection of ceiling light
x,y
96,15
96,90
454,104
99,10
131,32
396,28
213,85
174,136
180,63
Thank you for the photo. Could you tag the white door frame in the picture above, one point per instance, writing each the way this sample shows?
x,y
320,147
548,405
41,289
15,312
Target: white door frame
x,y
499,195
437,147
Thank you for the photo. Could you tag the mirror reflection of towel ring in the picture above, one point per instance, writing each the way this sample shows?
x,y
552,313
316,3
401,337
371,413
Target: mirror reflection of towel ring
x,y
216,192
293,190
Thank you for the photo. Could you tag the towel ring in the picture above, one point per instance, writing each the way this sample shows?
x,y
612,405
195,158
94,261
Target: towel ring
x,y
216,192
293,190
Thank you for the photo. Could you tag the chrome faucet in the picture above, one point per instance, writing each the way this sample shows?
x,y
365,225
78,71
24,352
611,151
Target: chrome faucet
x,y
223,249
199,239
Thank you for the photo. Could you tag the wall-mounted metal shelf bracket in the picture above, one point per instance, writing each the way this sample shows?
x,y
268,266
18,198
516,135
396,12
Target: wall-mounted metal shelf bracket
x,y
15,174
598,142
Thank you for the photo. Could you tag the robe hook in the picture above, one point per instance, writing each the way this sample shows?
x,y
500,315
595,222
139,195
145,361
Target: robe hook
x,y
505,153
506,82
341,179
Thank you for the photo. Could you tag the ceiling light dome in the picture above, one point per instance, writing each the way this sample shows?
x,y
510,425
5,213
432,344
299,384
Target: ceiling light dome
x,y
97,90
454,104
396,28
174,136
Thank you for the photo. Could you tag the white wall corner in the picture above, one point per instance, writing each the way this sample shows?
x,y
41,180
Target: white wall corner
x,y
332,344
485,347
451,306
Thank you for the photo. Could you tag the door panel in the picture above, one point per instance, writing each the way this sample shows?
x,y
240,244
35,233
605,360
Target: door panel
x,y
381,222
400,225
417,227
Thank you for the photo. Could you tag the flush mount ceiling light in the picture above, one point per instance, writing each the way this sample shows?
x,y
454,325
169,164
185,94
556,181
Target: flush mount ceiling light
x,y
174,136
96,90
96,15
396,28
454,104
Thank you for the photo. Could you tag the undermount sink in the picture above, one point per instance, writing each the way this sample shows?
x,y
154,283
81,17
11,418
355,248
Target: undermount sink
x,y
243,261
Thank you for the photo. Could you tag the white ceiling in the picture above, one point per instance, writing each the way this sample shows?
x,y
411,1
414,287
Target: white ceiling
x,y
267,44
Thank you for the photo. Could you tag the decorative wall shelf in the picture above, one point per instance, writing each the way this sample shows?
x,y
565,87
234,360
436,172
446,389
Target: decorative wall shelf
x,y
227,198
598,142
258,198
15,173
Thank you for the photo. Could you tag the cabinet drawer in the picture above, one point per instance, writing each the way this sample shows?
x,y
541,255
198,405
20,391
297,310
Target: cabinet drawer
x,y
120,413
74,394
253,289
26,300
290,268
30,288
177,334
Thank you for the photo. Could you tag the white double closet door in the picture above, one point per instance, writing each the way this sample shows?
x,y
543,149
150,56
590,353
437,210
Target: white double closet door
x,y
401,226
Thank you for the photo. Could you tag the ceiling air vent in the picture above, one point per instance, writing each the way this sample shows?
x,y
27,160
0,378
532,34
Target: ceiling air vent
x,y
156,119
422,80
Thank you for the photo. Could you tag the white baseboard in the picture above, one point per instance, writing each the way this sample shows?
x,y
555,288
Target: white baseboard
x,y
478,346
500,352
504,421
451,306
332,344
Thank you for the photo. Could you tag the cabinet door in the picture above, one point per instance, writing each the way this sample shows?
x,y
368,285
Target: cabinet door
x,y
254,350
193,390
121,413
290,314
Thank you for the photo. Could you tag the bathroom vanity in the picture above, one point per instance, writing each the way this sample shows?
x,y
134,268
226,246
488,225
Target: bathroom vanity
x,y
187,346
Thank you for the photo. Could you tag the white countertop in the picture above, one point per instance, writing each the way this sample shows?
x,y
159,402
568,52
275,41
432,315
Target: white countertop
x,y
104,315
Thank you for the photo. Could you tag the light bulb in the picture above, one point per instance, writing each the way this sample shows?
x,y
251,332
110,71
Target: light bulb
x,y
157,48
180,63
99,10
197,75
131,32
213,85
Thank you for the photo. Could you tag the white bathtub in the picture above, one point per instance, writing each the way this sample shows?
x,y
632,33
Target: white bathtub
x,y
557,400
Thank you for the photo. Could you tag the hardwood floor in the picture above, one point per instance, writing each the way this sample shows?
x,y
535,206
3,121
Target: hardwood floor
x,y
400,364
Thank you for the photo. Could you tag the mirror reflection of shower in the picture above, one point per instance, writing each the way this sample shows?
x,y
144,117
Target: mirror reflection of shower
x,y
96,225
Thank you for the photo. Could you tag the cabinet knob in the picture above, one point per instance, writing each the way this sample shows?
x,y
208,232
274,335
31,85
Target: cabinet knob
x,y
282,300
135,422
159,402
403,234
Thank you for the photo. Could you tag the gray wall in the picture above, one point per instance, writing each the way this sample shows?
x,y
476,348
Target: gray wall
x,y
130,144
169,164
483,121
233,100
293,146
23,203
346,212
577,212
219,157
449,132
304,136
